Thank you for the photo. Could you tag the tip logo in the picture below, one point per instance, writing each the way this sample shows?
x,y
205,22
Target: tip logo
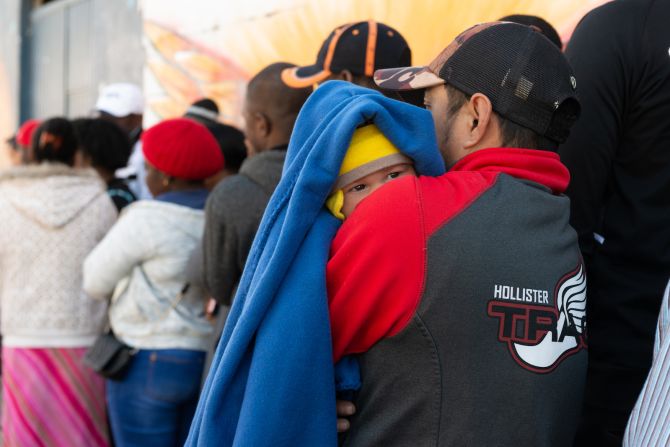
x,y
540,337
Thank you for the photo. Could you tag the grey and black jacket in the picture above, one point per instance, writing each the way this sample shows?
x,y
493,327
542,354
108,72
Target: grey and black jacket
x,y
464,297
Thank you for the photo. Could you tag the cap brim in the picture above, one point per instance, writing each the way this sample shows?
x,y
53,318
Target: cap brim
x,y
303,77
406,78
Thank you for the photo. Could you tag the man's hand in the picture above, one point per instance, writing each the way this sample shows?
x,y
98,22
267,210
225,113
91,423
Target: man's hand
x,y
345,410
211,309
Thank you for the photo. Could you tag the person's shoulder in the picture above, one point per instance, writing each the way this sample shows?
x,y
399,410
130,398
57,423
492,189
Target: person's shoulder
x,y
615,18
142,211
235,184
398,196
619,10
423,196
391,213
391,210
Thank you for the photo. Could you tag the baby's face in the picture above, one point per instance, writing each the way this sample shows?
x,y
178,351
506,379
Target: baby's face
x,y
356,191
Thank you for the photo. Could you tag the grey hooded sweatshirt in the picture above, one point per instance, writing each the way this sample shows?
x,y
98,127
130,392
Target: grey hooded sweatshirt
x,y
233,213
52,217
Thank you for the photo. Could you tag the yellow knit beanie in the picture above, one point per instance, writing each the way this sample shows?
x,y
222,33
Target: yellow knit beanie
x,y
369,151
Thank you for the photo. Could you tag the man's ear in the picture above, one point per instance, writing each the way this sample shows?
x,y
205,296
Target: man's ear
x,y
344,75
480,111
263,124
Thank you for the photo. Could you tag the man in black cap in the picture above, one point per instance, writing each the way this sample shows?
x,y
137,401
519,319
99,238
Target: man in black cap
x,y
352,53
464,295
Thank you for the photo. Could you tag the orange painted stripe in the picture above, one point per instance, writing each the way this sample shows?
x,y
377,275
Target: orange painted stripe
x,y
333,45
371,48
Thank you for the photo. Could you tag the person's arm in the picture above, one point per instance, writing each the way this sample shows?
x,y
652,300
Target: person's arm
x,y
663,322
378,262
219,248
601,71
650,418
125,246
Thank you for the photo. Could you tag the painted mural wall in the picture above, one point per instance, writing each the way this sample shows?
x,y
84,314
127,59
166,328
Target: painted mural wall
x,y
197,48
211,48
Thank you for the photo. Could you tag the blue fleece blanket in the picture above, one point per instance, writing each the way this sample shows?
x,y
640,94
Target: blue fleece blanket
x,y
272,381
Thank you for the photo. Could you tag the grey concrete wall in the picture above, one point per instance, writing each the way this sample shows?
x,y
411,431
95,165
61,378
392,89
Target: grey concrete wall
x,y
10,57
118,38
78,46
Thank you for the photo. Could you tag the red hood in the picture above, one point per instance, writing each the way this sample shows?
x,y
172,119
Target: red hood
x,y
542,167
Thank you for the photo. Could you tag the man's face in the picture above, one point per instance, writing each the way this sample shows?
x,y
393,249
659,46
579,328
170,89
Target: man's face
x,y
449,139
155,180
130,124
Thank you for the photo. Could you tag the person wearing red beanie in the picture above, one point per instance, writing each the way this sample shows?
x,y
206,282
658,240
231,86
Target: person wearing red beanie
x,y
20,144
179,152
146,262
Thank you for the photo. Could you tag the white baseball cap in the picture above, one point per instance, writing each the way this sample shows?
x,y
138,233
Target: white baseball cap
x,y
121,99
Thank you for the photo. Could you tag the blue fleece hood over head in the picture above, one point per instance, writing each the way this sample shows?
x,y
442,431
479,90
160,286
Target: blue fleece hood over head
x,y
272,380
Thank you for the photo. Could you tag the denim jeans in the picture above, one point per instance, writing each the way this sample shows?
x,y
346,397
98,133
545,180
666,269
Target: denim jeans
x,y
154,403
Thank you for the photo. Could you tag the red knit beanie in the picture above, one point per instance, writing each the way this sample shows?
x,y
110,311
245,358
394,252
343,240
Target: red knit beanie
x,y
24,135
183,149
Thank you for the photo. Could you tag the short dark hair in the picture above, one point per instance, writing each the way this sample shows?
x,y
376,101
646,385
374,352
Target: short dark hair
x,y
280,102
231,142
207,104
512,134
104,142
55,140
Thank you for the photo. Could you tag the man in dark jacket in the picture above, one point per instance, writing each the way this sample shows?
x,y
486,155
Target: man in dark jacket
x,y
464,294
235,207
619,159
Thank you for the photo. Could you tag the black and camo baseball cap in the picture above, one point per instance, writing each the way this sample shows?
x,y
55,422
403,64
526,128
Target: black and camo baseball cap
x,y
360,47
528,80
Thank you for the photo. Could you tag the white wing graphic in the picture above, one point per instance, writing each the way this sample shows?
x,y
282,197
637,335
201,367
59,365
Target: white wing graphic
x,y
571,303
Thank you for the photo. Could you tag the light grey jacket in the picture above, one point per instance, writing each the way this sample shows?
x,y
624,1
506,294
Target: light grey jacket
x,y
143,261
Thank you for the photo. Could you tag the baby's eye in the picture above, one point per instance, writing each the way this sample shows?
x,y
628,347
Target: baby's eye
x,y
357,188
394,174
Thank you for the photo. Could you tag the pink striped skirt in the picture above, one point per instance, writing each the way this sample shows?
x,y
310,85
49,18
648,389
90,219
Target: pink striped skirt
x,y
51,399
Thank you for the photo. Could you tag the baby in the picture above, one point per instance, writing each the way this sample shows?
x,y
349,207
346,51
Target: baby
x,y
371,161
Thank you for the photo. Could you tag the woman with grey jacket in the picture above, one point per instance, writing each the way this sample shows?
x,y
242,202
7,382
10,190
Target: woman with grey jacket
x,y
154,308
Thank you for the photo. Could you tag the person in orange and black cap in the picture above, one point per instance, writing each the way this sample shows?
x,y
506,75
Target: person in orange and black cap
x,y
160,311
352,52
477,328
